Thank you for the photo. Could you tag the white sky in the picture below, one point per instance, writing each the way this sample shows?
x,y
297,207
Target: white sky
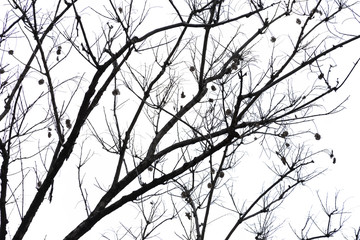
x,y
339,132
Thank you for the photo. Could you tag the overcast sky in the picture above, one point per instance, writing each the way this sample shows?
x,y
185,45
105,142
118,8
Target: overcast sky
x,y
339,132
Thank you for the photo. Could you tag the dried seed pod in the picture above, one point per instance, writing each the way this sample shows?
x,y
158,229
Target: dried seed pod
x,y
213,88
221,174
317,136
283,160
49,134
298,21
11,52
135,39
192,68
228,112
68,123
58,51
182,95
115,92
150,168
234,66
236,61
273,39
184,195
211,100
41,81
209,185
284,134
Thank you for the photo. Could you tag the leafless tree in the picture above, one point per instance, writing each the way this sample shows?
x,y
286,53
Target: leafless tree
x,y
149,116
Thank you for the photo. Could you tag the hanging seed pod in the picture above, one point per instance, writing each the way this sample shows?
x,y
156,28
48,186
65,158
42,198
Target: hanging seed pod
x,y
58,51
115,92
11,52
182,95
317,136
284,134
273,39
221,174
234,66
298,21
236,61
192,68
228,112
41,81
68,123
209,185
184,195
213,88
